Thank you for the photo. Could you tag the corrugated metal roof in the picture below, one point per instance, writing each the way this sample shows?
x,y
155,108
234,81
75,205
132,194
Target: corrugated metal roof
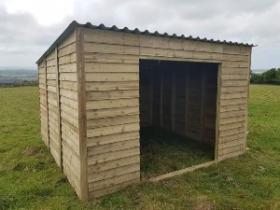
x,y
75,24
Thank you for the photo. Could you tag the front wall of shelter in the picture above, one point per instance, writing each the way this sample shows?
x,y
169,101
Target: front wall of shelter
x,y
112,89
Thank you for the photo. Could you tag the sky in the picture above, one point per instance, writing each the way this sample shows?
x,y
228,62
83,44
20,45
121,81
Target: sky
x,y
29,27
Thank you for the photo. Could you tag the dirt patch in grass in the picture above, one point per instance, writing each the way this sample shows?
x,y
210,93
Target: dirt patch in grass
x,y
31,151
202,203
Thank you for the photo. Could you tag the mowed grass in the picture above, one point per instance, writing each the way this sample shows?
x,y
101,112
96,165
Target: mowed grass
x,y
30,179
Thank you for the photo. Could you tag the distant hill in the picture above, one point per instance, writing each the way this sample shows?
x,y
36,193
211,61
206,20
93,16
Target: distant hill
x,y
259,71
17,76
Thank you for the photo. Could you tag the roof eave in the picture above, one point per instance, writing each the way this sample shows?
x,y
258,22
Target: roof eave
x,y
71,27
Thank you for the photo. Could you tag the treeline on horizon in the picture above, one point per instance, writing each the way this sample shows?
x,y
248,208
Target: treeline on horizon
x,y
19,83
271,76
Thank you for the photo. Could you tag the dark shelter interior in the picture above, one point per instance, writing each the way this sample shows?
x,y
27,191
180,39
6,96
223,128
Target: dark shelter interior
x,y
177,114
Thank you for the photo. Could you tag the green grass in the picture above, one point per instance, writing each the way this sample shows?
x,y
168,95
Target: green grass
x,y
30,179
163,152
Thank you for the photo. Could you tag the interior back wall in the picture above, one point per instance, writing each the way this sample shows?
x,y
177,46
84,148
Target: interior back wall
x,y
179,97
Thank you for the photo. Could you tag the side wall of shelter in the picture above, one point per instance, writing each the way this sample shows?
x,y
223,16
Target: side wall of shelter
x,y
111,63
59,106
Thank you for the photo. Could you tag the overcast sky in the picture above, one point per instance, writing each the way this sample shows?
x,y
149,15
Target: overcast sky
x,y
28,27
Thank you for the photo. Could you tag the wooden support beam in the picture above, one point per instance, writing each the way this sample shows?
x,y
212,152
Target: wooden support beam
x,y
218,102
182,171
151,97
82,115
58,109
47,104
161,99
187,92
173,100
202,103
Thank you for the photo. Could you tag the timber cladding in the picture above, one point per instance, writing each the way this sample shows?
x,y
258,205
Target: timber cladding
x,y
90,101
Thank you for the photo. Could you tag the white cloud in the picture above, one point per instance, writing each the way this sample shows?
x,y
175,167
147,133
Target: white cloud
x,y
31,25
45,12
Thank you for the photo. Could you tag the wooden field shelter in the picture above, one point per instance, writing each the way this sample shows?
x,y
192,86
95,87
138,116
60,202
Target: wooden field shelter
x,y
98,84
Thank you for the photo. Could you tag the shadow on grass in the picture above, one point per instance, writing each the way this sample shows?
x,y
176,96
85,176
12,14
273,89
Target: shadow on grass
x,y
163,152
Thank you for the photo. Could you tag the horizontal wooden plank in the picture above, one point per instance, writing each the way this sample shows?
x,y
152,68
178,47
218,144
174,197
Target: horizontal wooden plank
x,y
100,77
68,77
95,150
71,38
94,47
238,50
116,129
109,190
70,68
234,83
69,118
235,71
230,155
68,85
71,58
71,158
107,157
69,94
69,102
231,144
111,58
113,172
235,57
224,133
71,142
235,64
50,62
235,101
70,110
135,159
235,77
51,76
118,120
179,44
112,112
233,149
103,36
240,89
232,126
105,104
111,68
67,49
232,120
233,137
52,89
118,94
51,82
169,53
51,69
109,86
101,140
238,107
116,180
229,114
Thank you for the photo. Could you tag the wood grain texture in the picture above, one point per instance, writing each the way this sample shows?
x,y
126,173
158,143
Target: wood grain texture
x,y
82,114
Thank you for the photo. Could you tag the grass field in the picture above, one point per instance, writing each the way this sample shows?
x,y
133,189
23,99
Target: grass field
x,y
29,178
